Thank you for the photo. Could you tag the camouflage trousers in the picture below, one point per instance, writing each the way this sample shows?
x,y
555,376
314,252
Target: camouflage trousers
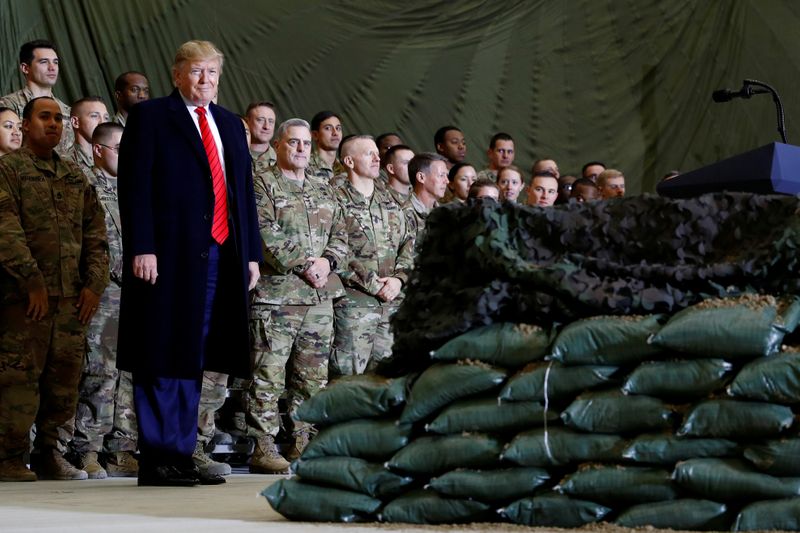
x,y
40,367
291,345
105,419
213,391
362,340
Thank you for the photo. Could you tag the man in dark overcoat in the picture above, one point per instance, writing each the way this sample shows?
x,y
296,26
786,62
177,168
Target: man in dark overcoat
x,y
191,248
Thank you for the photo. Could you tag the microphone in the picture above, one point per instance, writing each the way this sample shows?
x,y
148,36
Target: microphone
x,y
726,95
749,88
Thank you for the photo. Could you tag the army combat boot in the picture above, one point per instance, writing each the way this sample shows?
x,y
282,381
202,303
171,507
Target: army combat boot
x,y
14,469
90,465
266,459
122,464
301,440
53,465
206,464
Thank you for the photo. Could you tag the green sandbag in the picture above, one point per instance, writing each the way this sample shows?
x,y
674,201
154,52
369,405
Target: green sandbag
x,y
503,344
675,514
559,446
607,340
732,479
614,412
442,384
373,440
487,415
434,455
353,474
562,381
353,397
554,510
777,457
490,485
297,500
775,515
427,507
678,379
734,418
666,449
733,328
619,484
770,379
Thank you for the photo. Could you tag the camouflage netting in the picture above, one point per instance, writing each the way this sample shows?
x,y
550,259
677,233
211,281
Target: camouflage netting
x,y
487,263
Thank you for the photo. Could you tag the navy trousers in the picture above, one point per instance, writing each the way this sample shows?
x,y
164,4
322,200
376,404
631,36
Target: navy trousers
x,y
166,408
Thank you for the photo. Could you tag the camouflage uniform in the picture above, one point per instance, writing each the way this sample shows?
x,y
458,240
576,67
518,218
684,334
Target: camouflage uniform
x,y
399,198
105,396
19,99
416,213
318,167
119,119
86,164
54,237
262,161
380,246
487,173
292,322
213,391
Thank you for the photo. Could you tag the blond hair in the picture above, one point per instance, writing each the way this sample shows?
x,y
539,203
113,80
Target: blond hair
x,y
197,51
606,175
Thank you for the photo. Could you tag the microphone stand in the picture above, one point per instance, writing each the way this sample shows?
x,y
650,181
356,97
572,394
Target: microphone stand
x,y
775,98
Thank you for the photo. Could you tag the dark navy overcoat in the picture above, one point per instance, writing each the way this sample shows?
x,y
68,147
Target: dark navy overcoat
x,y
166,204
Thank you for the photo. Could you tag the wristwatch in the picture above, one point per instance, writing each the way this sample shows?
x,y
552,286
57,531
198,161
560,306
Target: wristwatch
x,y
331,261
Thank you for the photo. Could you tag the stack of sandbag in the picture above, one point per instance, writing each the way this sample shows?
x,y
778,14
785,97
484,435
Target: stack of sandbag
x,y
673,443
680,422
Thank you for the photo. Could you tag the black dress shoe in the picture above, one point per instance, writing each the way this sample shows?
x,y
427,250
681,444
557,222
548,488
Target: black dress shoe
x,y
165,476
202,478
210,479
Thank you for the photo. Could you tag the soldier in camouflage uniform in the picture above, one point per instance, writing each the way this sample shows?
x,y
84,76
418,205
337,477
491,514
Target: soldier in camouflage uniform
x,y
86,114
326,131
130,88
38,62
105,420
302,229
384,142
500,154
380,260
429,178
260,117
396,166
54,258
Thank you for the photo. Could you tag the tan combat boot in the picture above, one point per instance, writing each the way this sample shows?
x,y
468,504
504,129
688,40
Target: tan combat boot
x,y
266,459
122,464
300,442
14,469
53,465
90,465
206,464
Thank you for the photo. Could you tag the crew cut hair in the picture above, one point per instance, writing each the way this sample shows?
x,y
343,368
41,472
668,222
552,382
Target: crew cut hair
x,y
121,83
103,132
499,137
438,137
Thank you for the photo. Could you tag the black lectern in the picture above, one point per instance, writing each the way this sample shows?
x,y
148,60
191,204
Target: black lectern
x,y
774,168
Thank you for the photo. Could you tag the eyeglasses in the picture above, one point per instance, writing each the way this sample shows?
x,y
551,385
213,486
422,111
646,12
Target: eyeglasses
x,y
115,149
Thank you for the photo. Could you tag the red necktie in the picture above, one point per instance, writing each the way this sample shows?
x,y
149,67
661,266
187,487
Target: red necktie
x,y
219,225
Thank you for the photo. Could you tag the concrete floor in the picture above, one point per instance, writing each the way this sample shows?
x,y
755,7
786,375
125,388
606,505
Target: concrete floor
x,y
117,505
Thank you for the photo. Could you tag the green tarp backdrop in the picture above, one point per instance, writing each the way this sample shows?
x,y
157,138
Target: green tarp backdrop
x,y
625,81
